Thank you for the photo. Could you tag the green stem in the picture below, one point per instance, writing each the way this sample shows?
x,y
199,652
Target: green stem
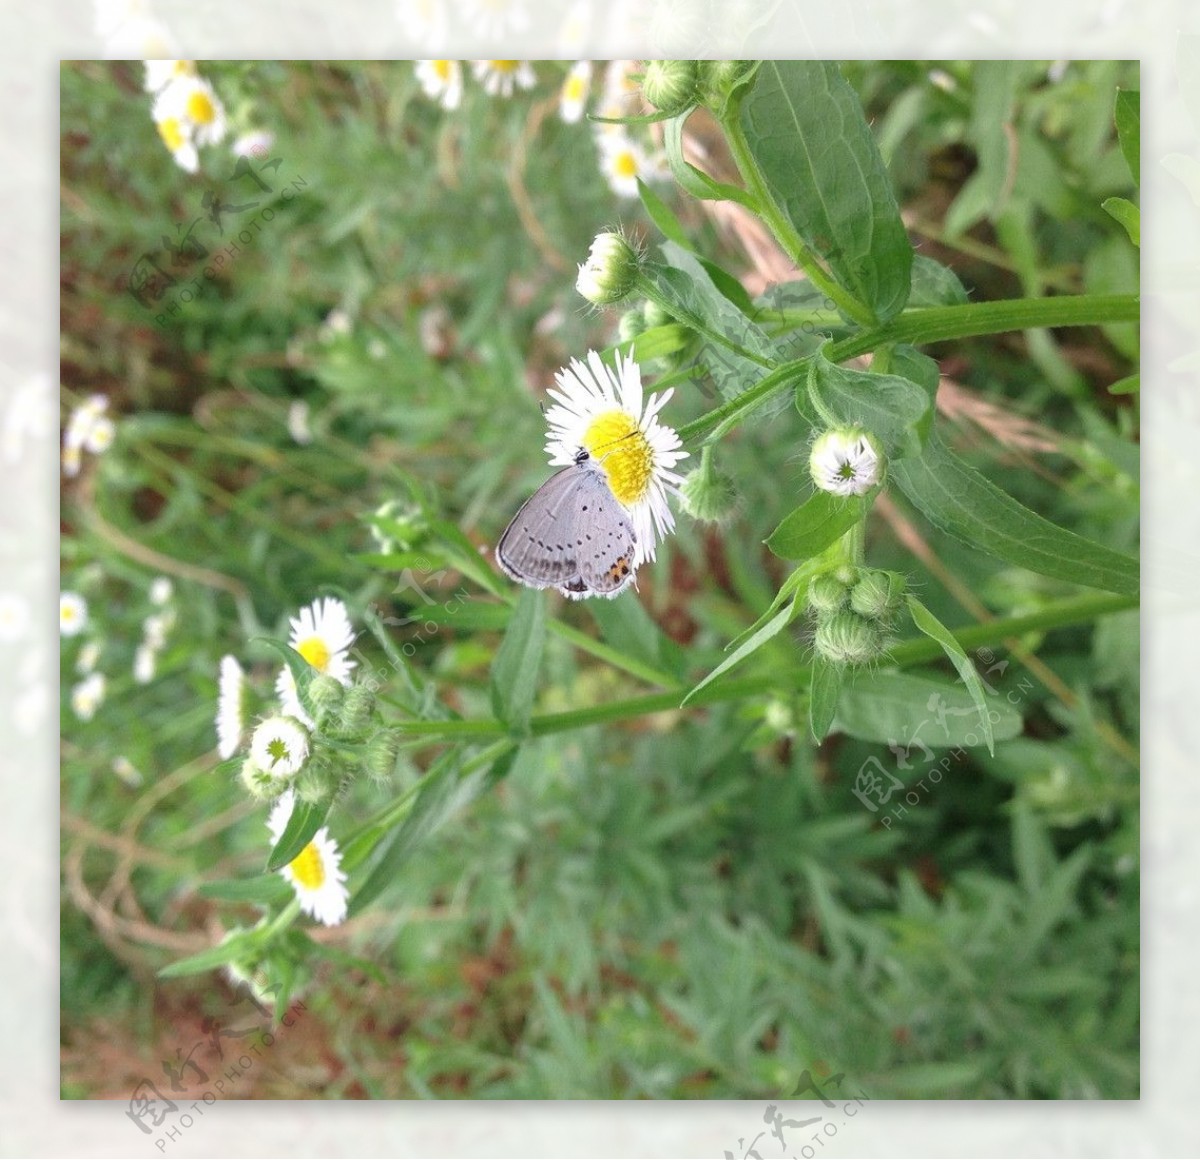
x,y
1078,610
931,324
647,288
780,225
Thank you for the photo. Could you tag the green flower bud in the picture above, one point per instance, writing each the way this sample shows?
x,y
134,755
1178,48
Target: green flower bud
x,y
633,323
381,755
708,494
846,461
325,694
877,596
317,782
827,594
671,85
611,270
718,79
845,638
356,711
409,526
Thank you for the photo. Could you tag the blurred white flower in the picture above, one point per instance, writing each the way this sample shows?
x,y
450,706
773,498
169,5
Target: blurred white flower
x,y
441,81
88,658
500,77
145,661
231,691
575,89
156,627
72,613
127,771
297,422
256,143
87,696
161,590
79,429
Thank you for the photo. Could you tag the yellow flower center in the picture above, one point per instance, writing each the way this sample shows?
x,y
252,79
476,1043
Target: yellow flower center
x,y
441,69
625,164
616,442
200,108
315,651
574,88
172,134
308,867
504,66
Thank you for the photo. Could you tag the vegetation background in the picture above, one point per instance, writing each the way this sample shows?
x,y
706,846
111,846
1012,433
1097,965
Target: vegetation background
x,y
679,904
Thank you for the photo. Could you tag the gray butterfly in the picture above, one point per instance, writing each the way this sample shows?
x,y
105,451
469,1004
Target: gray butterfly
x,y
571,534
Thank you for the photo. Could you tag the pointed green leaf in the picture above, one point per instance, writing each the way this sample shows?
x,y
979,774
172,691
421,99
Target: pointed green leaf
x,y
305,820
773,627
1128,117
826,688
515,669
896,708
932,627
815,524
1129,385
956,498
811,142
211,958
691,180
661,215
934,284
1127,214
264,889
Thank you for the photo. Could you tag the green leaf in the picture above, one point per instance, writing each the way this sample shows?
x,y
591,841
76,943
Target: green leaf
x,y
305,820
302,672
515,669
827,680
796,583
1129,385
772,628
660,214
956,498
810,140
690,179
1128,117
210,959
816,524
914,710
893,409
934,628
442,793
1127,214
934,284
264,889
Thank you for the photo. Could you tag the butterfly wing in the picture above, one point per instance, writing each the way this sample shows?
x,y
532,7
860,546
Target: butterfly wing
x,y
571,534
534,548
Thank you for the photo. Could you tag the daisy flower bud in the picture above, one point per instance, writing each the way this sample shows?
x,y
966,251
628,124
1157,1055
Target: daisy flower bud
x,y
611,270
717,80
846,638
846,461
671,85
708,494
356,710
633,323
326,694
381,755
827,594
279,747
877,595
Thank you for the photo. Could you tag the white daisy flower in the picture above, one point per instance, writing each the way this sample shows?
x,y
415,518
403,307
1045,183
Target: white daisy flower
x,y
231,693
574,94
279,747
160,73
322,635
441,81
315,873
161,590
88,658
601,412
192,102
255,143
87,696
15,615
176,136
500,77
623,161
100,437
79,430
845,462
145,660
72,613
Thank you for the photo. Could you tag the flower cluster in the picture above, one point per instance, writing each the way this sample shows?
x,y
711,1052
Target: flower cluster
x,y
187,112
87,429
625,156
855,611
